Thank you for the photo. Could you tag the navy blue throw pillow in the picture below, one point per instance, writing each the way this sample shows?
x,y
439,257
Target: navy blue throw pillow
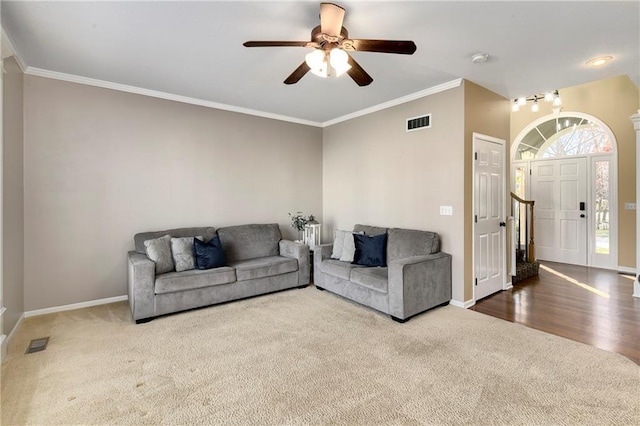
x,y
370,250
208,255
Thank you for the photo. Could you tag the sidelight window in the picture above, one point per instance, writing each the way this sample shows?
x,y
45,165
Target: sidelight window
x,y
601,205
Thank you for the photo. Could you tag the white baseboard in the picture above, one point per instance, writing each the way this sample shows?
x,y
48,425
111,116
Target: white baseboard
x,y
627,270
466,305
73,306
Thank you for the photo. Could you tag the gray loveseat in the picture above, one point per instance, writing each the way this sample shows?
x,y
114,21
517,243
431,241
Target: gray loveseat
x,y
417,278
259,261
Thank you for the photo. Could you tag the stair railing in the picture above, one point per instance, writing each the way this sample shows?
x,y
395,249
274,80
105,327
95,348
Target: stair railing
x,y
524,226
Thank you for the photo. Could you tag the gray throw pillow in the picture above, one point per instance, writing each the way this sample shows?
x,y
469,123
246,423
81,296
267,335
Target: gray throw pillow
x,y
182,251
159,250
338,242
349,247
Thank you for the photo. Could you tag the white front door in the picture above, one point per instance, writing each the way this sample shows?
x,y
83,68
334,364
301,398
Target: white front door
x,y
489,253
559,188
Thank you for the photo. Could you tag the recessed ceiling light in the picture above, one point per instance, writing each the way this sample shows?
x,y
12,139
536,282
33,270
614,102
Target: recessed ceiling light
x,y
599,61
480,58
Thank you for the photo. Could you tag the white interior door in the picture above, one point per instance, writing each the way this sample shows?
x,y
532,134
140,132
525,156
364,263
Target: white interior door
x,y
559,188
489,253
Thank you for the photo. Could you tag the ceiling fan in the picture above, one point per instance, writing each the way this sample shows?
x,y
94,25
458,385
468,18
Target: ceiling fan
x,y
331,42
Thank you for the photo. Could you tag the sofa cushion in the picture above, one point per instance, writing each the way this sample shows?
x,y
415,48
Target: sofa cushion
x,y
338,268
403,243
182,252
159,250
208,255
189,280
369,230
250,241
263,267
373,278
207,233
371,250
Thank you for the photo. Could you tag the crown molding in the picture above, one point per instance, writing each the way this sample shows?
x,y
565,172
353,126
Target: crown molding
x,y
12,47
38,72
398,101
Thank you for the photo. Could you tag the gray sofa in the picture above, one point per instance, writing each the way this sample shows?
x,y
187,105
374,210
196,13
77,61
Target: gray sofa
x,y
417,278
259,261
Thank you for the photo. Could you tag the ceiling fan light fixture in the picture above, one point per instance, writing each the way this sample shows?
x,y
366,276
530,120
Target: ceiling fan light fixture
x,y
339,60
317,62
331,35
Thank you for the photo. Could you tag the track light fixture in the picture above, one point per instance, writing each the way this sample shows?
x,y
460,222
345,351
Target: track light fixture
x,y
553,96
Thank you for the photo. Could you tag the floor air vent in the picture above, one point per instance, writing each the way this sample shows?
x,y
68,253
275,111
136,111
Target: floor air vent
x,y
37,345
419,123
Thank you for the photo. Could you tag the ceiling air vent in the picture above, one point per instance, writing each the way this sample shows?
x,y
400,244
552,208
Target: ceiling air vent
x,y
419,123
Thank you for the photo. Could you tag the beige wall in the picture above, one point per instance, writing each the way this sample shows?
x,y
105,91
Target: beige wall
x,y
12,196
102,165
487,113
376,173
612,101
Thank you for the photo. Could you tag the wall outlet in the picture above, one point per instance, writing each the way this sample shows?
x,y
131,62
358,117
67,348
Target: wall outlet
x,y
629,206
446,210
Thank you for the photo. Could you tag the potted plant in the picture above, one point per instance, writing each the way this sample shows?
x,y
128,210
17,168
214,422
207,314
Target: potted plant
x,y
298,221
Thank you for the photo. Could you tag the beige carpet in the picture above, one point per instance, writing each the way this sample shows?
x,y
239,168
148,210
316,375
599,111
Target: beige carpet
x,y
309,357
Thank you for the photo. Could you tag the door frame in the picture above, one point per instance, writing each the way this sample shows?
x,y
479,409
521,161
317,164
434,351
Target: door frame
x,y
506,172
613,179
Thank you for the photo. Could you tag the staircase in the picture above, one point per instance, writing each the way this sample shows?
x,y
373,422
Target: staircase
x,y
525,269
526,264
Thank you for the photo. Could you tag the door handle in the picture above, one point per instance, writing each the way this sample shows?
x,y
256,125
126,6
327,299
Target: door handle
x,y
503,224
583,215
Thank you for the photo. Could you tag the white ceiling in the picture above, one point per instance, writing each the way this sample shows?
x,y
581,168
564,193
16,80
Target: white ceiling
x,y
194,49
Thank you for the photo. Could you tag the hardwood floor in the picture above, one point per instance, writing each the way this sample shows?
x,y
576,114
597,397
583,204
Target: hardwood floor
x,y
589,305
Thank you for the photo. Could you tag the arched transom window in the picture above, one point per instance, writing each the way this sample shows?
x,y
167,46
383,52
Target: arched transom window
x,y
562,137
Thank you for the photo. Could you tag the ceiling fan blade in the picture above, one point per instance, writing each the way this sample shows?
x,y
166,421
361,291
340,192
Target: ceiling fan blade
x,y
275,43
358,74
331,17
404,47
297,74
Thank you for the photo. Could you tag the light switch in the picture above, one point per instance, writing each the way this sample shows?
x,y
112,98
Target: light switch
x,y
446,210
629,206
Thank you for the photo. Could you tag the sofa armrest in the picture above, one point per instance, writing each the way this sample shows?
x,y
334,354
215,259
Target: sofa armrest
x,y
419,283
298,251
141,282
322,252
